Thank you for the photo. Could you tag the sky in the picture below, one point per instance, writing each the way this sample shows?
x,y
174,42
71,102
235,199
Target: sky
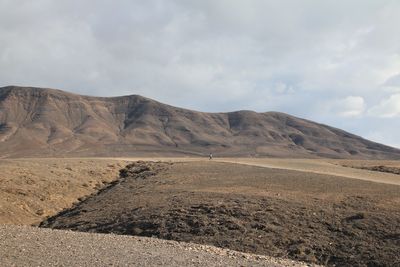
x,y
334,62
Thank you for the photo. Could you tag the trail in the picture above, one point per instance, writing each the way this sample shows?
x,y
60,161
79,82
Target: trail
x,y
317,166
320,166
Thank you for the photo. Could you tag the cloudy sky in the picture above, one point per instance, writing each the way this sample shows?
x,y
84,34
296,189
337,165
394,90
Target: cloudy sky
x,y
335,62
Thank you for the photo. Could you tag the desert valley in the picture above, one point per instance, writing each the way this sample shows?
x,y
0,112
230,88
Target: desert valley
x,y
200,133
132,178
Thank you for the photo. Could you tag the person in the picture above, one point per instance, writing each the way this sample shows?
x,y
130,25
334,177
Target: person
x,y
211,156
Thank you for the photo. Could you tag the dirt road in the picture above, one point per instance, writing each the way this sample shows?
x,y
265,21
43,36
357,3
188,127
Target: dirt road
x,y
322,166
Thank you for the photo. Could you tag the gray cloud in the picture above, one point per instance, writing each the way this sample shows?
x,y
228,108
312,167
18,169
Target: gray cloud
x,y
313,59
387,108
393,82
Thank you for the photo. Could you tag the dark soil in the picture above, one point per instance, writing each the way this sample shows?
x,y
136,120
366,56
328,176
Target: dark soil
x,y
370,167
310,217
381,168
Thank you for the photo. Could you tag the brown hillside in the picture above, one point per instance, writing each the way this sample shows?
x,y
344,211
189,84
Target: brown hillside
x,y
47,122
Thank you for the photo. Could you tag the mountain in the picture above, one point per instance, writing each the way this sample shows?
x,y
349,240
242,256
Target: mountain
x,y
47,122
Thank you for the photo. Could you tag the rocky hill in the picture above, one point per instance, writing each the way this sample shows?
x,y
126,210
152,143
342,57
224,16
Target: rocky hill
x,y
48,122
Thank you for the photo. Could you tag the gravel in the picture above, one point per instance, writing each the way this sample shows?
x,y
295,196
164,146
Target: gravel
x,y
31,246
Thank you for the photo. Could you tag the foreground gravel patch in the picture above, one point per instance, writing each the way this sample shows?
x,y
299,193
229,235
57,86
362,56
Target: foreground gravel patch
x,y
30,246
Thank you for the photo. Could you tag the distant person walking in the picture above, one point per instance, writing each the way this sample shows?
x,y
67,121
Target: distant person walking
x,y
210,156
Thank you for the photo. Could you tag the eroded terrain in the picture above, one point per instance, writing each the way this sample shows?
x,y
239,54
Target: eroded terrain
x,y
32,189
313,217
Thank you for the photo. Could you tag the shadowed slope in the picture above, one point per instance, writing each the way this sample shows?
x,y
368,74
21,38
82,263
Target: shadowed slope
x,y
47,122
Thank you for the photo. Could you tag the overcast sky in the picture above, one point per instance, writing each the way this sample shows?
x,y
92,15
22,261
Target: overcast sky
x,y
335,62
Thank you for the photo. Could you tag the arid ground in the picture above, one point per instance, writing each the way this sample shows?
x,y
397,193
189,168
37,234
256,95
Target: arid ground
x,y
310,210
32,246
32,189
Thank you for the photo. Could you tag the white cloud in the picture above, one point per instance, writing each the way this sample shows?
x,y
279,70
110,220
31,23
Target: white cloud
x,y
387,108
384,135
350,106
393,82
283,88
210,55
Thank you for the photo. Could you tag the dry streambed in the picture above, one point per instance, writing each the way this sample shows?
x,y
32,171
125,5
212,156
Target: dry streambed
x,y
304,216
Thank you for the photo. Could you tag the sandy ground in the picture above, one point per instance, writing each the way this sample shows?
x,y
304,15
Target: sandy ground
x,y
28,246
32,189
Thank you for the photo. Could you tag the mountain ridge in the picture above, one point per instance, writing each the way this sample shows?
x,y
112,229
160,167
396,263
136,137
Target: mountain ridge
x,y
50,122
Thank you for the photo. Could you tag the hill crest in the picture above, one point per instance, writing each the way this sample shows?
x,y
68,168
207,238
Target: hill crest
x,y
49,122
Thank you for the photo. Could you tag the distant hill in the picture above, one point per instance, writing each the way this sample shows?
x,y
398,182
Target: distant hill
x,y
48,122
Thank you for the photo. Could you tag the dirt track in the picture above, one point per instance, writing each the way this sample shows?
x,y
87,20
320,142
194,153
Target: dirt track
x,y
304,216
342,168
325,166
29,246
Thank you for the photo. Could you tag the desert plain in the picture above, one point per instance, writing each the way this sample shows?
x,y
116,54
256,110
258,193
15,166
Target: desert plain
x,y
281,212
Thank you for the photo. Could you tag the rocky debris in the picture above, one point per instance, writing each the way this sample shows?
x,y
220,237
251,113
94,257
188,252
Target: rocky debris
x,y
133,169
378,168
29,246
142,169
307,217
382,168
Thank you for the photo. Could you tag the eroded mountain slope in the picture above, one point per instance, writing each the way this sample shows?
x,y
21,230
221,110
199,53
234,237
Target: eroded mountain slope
x,y
47,122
